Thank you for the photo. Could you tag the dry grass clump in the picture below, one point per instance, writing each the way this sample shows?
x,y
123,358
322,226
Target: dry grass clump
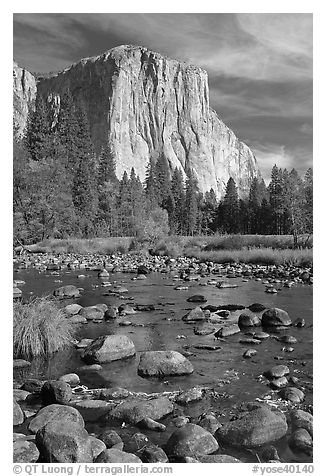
x,y
264,256
88,246
40,329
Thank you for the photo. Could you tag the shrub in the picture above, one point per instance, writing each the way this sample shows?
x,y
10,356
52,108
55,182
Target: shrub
x,y
40,329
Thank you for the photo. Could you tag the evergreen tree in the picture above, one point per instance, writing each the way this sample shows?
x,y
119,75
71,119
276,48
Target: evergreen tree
x,y
294,203
84,190
276,200
162,181
150,183
177,216
229,208
308,194
106,168
209,212
191,204
38,130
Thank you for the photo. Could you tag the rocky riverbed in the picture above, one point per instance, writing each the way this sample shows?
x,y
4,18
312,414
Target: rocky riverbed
x,y
173,360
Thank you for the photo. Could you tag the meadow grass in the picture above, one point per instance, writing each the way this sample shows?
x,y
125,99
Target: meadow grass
x,y
40,329
88,246
264,256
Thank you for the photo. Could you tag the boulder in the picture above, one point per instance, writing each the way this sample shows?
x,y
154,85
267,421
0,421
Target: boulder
x,y
64,442
20,363
276,372
97,446
204,329
163,363
197,298
108,348
218,459
190,440
302,419
33,385
292,394
20,395
111,439
18,414
188,396
54,391
153,454
253,428
227,331
114,455
114,393
136,443
110,313
93,410
275,317
91,312
301,441
209,422
196,314
248,320
151,424
55,413
249,353
70,379
256,307
134,410
25,451
68,291
72,309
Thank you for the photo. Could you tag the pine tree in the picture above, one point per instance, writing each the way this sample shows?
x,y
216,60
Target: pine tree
x,y
229,208
294,201
177,216
162,181
308,194
37,135
191,204
84,191
209,212
276,200
107,168
150,183
67,128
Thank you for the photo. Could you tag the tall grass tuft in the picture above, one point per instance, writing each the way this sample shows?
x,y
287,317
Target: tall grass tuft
x,y
264,256
40,329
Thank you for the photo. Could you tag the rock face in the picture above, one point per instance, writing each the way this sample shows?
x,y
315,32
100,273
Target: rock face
x,y
145,104
24,97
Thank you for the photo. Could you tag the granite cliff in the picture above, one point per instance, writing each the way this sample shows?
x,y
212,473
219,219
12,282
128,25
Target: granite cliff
x,y
144,103
24,96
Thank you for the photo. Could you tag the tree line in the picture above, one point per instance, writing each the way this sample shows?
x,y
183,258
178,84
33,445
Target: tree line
x,y
63,188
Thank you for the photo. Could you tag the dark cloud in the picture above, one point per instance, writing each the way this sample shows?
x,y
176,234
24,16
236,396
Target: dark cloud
x,y
259,65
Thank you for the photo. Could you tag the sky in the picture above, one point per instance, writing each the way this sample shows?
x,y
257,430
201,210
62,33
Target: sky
x,y
259,65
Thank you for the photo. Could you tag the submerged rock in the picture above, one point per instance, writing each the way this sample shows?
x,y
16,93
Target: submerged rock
x,y
133,411
162,363
68,291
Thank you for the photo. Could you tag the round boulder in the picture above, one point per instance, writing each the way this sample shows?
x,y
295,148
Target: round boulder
x,y
190,440
253,428
108,348
275,317
55,391
162,363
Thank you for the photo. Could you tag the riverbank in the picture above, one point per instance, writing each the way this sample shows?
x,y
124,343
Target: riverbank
x,y
256,249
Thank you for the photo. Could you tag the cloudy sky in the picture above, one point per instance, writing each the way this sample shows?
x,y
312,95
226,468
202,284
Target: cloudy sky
x,y
259,65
